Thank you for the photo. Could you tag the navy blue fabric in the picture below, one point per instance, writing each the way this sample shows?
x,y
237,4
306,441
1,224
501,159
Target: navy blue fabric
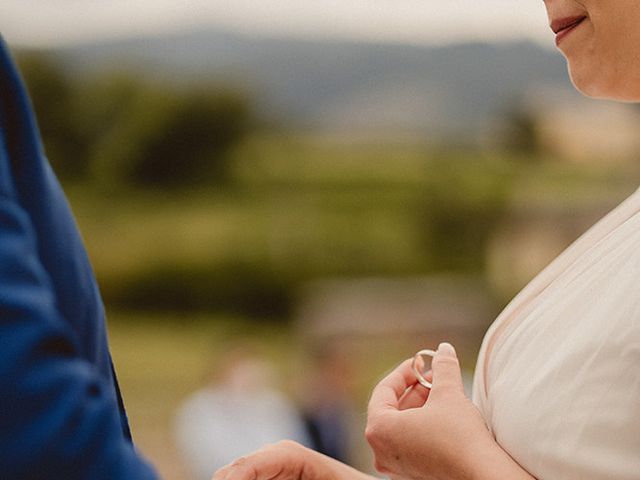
x,y
61,415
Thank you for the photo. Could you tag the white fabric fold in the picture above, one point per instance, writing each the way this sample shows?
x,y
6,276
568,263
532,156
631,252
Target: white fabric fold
x,y
558,374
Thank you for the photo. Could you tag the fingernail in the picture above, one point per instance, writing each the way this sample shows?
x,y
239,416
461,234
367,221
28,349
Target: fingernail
x,y
447,349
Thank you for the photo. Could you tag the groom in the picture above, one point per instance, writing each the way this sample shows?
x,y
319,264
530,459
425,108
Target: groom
x,y
61,414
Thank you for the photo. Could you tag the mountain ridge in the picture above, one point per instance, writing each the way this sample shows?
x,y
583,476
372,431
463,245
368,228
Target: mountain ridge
x,y
346,86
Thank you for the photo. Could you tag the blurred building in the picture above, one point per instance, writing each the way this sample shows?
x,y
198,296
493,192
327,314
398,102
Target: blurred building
x,y
594,131
535,232
579,129
431,308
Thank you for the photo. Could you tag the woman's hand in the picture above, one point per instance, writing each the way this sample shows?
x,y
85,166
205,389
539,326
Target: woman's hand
x,y
288,460
438,434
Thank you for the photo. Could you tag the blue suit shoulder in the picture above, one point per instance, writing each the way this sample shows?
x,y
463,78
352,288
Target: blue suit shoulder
x,y
61,415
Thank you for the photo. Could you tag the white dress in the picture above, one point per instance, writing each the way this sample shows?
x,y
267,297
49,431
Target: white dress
x,y
558,374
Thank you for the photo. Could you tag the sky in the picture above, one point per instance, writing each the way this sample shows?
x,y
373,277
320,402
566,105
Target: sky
x,y
60,22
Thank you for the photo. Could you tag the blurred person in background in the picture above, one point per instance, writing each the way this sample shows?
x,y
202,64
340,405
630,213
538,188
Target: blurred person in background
x,y
61,413
237,413
328,401
557,386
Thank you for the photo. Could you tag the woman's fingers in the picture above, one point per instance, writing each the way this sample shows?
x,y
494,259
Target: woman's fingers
x,y
415,432
400,390
415,396
447,376
386,395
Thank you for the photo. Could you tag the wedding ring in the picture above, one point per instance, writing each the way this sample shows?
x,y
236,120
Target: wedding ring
x,y
417,371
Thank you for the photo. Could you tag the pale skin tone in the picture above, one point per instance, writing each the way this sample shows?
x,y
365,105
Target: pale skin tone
x,y
415,434
602,53
438,434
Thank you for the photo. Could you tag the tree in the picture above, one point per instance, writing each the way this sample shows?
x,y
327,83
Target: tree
x,y
52,95
173,139
520,134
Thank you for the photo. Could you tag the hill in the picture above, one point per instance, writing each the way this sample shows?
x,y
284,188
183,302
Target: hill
x,y
344,86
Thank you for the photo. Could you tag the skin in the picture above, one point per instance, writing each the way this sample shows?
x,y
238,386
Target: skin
x,y
602,53
417,434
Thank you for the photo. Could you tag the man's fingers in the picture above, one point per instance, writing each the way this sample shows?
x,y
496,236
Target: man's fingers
x,y
279,461
240,469
243,472
222,473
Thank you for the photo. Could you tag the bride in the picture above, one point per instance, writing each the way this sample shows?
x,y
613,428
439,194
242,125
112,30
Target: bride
x,y
557,384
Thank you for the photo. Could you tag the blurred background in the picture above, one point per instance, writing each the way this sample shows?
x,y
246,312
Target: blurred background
x,y
284,199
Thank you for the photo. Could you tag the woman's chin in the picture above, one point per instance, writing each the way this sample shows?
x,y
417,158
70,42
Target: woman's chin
x,y
592,91
585,83
603,89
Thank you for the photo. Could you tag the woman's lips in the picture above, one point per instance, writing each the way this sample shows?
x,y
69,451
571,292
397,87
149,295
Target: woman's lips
x,y
564,26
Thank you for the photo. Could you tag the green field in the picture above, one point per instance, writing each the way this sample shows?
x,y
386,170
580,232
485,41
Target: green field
x,y
185,272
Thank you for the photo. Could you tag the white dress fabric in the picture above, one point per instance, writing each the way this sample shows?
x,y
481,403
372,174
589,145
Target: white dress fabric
x,y
558,374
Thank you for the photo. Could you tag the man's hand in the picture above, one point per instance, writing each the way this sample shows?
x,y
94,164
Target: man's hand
x,y
287,460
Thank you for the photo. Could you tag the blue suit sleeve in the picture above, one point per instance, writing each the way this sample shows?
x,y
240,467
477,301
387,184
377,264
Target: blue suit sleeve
x,y
57,419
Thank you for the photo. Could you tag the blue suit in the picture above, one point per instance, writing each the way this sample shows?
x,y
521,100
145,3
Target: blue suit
x,y
61,415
